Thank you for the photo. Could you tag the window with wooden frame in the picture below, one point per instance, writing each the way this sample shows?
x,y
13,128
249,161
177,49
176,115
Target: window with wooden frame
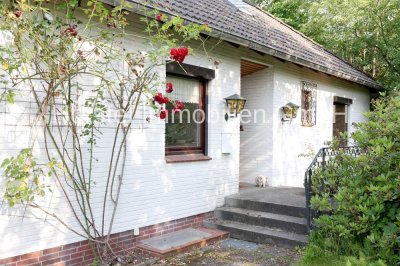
x,y
185,131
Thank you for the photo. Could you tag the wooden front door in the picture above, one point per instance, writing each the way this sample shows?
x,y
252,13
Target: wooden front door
x,y
340,121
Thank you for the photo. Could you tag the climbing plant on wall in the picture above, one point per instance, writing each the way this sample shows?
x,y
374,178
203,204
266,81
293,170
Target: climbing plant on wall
x,y
73,65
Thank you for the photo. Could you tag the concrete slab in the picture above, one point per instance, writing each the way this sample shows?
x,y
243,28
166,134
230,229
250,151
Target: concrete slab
x,y
290,196
176,239
180,241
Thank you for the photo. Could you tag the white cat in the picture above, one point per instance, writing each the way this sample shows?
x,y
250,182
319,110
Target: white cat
x,y
261,181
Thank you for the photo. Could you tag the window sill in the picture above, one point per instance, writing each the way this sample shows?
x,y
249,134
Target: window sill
x,y
184,158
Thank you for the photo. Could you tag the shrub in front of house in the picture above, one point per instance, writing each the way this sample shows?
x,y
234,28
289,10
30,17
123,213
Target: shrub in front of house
x,y
358,198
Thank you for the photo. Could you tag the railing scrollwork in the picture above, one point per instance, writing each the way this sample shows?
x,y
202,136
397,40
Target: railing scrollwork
x,y
324,157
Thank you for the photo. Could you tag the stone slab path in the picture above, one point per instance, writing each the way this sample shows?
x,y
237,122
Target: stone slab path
x,y
230,252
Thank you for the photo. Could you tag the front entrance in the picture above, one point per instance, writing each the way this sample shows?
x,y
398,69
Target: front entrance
x,y
256,123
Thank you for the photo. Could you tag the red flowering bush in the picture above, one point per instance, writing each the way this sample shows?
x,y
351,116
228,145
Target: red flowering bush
x,y
18,13
179,54
170,87
161,17
160,99
163,113
70,31
62,73
179,106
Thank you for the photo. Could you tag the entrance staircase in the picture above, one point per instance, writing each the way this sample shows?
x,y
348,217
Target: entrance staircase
x,y
264,215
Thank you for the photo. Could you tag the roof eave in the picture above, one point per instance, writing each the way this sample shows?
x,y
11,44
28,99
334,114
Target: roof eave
x,y
136,8
293,59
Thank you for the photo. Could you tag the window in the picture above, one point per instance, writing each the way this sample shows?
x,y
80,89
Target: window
x,y
341,118
308,104
185,130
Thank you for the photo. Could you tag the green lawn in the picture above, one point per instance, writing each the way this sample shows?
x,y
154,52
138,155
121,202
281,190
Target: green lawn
x,y
315,256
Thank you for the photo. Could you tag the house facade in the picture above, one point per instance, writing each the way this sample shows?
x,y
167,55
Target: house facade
x,y
167,190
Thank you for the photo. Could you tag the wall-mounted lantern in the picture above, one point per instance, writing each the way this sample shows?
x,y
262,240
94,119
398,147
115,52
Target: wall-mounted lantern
x,y
289,111
235,104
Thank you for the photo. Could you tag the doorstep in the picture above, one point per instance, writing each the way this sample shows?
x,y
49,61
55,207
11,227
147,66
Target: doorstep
x,y
180,241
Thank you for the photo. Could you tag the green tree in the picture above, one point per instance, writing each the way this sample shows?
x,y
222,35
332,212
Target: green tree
x,y
292,12
366,33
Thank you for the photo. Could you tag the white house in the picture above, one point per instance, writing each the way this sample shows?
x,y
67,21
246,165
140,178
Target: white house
x,y
261,59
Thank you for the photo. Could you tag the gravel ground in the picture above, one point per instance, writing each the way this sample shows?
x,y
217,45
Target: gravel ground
x,y
230,252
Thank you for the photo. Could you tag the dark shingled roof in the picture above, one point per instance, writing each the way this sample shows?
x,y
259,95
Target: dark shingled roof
x,y
247,25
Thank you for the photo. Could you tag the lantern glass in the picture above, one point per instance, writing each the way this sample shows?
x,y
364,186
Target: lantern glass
x,y
235,104
288,111
294,111
240,104
231,106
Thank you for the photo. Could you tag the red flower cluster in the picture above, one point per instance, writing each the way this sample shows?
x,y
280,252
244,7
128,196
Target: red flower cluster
x,y
18,13
179,54
160,99
160,17
70,31
179,106
170,87
163,113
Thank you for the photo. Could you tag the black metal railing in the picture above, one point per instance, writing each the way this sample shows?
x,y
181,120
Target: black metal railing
x,y
321,159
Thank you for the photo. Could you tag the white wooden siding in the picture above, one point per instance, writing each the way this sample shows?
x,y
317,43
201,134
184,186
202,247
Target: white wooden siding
x,y
289,142
256,142
153,191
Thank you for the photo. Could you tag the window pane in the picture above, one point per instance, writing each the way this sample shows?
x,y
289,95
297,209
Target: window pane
x,y
185,89
181,129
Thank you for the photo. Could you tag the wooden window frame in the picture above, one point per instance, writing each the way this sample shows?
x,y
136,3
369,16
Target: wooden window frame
x,y
346,102
200,149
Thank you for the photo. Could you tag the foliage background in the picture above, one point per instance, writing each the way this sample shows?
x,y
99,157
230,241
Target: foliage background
x,y
365,33
359,201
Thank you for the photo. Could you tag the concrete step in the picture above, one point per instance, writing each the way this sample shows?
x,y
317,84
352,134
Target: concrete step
x,y
283,222
258,234
264,206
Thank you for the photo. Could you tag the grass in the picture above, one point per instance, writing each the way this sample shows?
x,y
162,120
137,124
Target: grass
x,y
315,256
